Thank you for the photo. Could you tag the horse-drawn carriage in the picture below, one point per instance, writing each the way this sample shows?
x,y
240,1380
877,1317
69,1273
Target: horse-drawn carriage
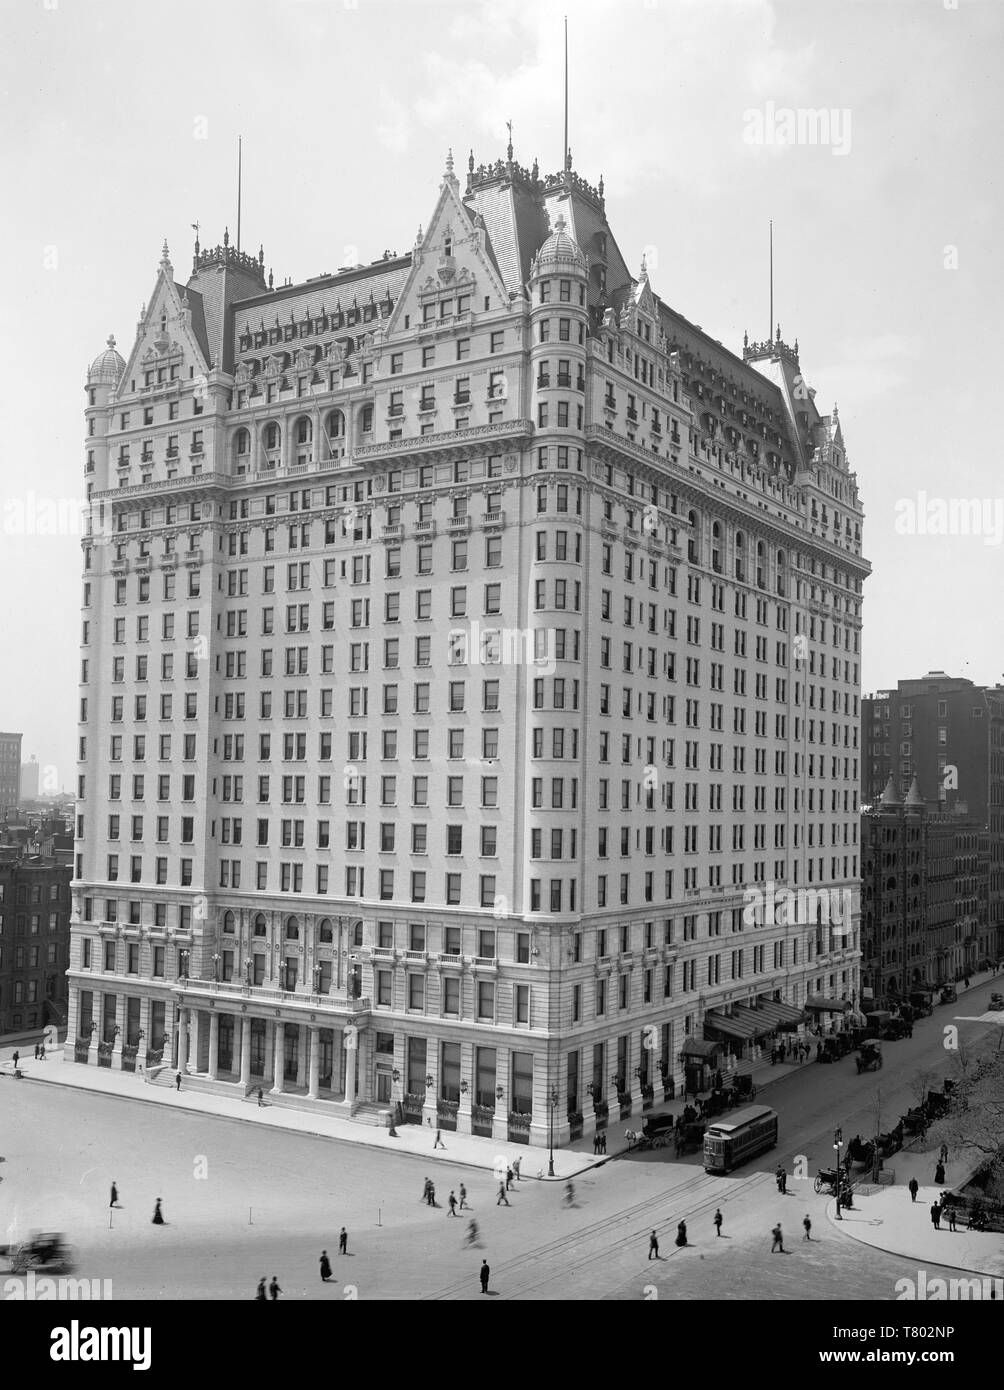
x,y
915,1122
949,994
870,1056
891,1142
922,1003
898,1027
830,1178
832,1046
860,1153
936,1105
46,1251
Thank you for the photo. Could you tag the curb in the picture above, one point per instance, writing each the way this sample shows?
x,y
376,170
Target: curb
x,y
312,1133
902,1254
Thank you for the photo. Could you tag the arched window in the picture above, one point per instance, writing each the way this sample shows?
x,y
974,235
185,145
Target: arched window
x,y
357,934
780,572
228,921
760,564
740,556
242,450
259,924
272,440
334,434
325,932
292,929
716,548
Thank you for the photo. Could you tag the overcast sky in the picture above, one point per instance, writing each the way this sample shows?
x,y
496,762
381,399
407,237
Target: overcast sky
x,y
120,124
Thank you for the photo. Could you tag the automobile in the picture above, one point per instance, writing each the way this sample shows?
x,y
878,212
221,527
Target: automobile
x,y
997,1001
658,1124
949,994
46,1251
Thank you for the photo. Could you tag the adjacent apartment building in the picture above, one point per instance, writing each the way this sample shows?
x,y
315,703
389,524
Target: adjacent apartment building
x,y
469,643
10,771
34,940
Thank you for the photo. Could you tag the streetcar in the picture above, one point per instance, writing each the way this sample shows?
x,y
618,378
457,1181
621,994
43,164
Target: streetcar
x,y
730,1142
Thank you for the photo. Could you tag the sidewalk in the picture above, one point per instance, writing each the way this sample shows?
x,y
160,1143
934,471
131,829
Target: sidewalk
x,y
886,1218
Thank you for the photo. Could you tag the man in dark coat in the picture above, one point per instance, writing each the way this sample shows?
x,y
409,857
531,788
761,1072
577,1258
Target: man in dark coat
x,y
325,1267
343,1241
273,1289
484,1273
914,1187
778,1239
115,1196
653,1246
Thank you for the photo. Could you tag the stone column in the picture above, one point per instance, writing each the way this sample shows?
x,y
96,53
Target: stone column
x,y
245,1023
314,1073
97,1018
466,1097
301,1059
430,1106
145,1011
196,1040
278,1052
500,1122
350,1037
182,1040
214,1045
120,1020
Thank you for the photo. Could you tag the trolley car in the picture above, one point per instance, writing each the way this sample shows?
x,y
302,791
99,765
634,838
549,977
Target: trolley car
x,y
730,1142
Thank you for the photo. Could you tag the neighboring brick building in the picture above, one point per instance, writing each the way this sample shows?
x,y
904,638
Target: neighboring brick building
x,y
924,894
469,633
34,941
10,771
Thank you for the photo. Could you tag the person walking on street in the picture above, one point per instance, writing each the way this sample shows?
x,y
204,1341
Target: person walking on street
x,y
508,1179
432,1194
515,1167
502,1197
603,1142
41,1053
177,1081
158,1216
951,1218
653,1246
463,1198
343,1241
939,1173
936,1215
439,1141
914,1187
36,1052
569,1194
425,1191
261,1295
452,1204
718,1222
115,1196
273,1289
472,1233
681,1233
325,1267
943,1155
808,1226
260,1096
484,1275
778,1240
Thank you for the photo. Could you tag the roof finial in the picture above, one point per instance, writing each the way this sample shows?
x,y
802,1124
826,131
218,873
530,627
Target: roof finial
x,y
261,254
508,152
165,256
746,338
470,162
599,187
270,277
226,236
449,161
535,171
568,161
111,341
419,236
778,333
643,273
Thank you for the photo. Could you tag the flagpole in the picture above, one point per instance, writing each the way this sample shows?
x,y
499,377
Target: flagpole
x,y
239,154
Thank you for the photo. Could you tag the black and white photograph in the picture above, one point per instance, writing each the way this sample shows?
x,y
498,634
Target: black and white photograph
x,y
502,669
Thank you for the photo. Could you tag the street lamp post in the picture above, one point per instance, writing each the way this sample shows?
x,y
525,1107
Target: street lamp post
x,y
553,1101
838,1144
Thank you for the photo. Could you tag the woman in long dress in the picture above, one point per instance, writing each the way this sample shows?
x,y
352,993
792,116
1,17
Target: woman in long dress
x,y
158,1216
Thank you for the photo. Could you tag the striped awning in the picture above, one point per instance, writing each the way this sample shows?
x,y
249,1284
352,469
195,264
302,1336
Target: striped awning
x,y
732,1026
819,1005
784,1015
754,1019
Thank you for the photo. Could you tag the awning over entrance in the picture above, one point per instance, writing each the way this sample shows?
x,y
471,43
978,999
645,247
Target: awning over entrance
x,y
732,1027
783,1015
819,1005
755,1019
700,1047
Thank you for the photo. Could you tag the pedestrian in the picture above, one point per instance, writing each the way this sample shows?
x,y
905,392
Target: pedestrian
x,y
463,1197
439,1141
951,1218
502,1197
36,1052
325,1268
425,1191
343,1241
515,1167
718,1222
681,1233
784,1181
14,1059
472,1233
115,1196
967,982
484,1273
936,1215
261,1290
41,1053
603,1142
939,1172
508,1179
452,1203
260,1096
653,1246
778,1240
808,1226
177,1081
432,1194
158,1215
273,1289
569,1194
596,1144
943,1155
914,1187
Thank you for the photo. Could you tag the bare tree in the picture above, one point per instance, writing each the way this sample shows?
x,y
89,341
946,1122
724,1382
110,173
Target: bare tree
x,y
975,1119
921,1082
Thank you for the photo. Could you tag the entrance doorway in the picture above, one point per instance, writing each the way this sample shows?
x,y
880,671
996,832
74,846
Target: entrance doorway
x,y
383,1087
291,1052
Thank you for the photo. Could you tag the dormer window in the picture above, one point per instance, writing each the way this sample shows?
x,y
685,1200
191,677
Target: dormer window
x,y
448,246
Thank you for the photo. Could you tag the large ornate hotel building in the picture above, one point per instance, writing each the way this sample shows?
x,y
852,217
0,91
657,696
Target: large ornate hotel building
x,y
466,638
